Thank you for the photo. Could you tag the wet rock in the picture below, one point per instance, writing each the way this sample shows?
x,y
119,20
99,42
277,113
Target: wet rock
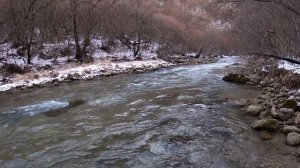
x,y
254,110
297,119
236,78
266,124
58,112
289,129
265,135
293,139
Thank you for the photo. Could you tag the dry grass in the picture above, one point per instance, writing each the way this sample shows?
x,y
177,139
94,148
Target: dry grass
x,y
46,73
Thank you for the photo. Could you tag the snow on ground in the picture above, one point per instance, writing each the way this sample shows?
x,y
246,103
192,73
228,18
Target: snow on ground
x,y
289,66
9,55
86,72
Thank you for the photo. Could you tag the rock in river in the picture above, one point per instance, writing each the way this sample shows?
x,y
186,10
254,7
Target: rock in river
x,y
254,110
265,135
236,78
71,104
293,139
266,124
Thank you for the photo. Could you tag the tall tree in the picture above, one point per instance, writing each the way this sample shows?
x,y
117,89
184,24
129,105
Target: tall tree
x,y
23,15
86,17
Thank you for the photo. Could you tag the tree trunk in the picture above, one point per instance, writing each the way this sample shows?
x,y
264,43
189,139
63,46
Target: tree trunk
x,y
136,50
78,54
28,48
200,52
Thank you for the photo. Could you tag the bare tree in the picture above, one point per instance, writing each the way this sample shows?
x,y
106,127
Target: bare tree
x,y
23,16
86,17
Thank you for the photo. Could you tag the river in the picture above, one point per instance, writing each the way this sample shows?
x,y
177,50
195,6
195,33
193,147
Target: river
x,y
182,116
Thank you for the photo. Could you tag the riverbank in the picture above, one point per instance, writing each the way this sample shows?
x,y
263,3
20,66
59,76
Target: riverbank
x,y
277,108
81,72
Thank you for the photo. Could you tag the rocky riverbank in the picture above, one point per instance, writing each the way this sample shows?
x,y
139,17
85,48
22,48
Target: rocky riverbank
x,y
277,108
82,72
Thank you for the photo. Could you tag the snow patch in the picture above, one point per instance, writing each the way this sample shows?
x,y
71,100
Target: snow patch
x,y
88,72
289,66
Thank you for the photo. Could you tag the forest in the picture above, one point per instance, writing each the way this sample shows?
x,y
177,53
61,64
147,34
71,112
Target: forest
x,y
179,27
150,83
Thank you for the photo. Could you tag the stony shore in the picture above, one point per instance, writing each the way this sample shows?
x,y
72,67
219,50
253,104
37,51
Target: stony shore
x,y
276,109
82,72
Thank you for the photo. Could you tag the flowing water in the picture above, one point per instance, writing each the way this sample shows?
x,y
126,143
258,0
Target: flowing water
x,y
177,117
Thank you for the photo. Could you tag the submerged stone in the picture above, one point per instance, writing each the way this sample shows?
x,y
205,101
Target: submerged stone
x,y
265,135
58,112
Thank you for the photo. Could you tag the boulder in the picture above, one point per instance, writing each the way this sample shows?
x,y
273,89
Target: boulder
x,y
293,139
236,78
289,129
285,113
282,114
254,110
265,135
266,124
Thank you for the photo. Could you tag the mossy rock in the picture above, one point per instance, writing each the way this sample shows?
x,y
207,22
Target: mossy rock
x,y
266,124
290,103
236,78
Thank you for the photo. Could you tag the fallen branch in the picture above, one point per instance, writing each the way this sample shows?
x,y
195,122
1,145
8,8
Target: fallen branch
x,y
277,57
